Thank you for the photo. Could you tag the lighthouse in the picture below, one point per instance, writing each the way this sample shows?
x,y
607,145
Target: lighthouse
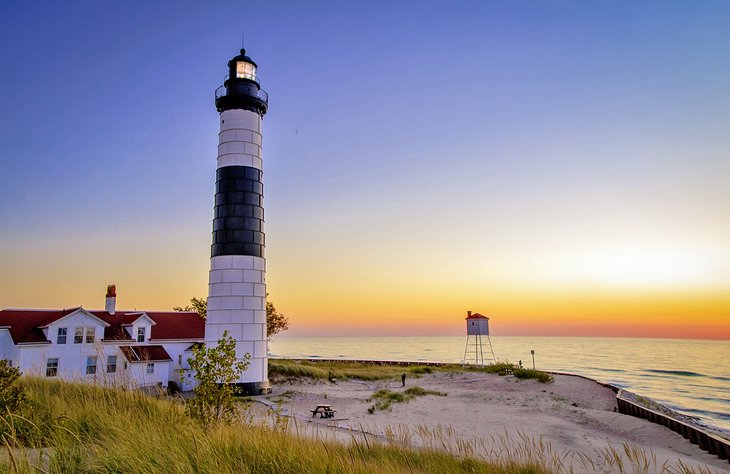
x,y
237,283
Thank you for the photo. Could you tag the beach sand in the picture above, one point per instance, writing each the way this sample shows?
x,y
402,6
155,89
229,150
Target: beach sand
x,y
569,423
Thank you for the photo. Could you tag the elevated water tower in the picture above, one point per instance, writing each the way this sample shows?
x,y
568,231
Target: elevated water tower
x,y
477,325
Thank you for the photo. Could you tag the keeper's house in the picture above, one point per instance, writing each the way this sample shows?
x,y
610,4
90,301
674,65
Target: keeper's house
x,y
120,348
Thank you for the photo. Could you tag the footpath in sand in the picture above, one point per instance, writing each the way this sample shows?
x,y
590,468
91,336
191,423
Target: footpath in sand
x,y
569,423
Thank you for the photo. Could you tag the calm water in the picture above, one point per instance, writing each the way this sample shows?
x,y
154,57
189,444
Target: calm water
x,y
690,376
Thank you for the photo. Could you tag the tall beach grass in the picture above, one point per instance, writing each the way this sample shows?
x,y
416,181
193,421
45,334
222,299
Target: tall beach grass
x,y
73,427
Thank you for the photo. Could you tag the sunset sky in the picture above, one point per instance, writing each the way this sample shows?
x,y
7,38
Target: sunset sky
x,y
561,166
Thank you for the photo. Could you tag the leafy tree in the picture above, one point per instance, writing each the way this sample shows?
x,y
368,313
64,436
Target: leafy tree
x,y
216,370
276,322
199,305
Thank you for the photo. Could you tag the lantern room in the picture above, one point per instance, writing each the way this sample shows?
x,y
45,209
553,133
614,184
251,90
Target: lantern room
x,y
241,88
242,67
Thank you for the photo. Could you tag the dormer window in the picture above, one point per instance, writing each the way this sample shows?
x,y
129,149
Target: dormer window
x,y
141,333
90,333
78,335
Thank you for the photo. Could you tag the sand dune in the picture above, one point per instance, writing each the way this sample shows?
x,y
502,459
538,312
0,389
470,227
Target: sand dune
x,y
570,423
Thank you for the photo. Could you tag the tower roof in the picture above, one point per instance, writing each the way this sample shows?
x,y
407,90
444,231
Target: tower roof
x,y
243,57
476,316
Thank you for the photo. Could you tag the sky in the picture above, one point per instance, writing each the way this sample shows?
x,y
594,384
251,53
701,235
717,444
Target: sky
x,y
560,166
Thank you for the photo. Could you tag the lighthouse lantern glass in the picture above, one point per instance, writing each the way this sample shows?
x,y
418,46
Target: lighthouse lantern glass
x,y
245,70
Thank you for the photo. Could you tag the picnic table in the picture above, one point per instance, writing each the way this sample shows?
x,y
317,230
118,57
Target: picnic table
x,y
325,411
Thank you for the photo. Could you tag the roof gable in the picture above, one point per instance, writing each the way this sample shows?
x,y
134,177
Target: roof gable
x,y
80,310
128,319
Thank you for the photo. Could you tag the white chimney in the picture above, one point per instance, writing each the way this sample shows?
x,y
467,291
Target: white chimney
x,y
111,299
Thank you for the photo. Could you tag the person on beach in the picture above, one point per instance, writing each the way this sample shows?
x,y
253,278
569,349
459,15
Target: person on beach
x,y
403,378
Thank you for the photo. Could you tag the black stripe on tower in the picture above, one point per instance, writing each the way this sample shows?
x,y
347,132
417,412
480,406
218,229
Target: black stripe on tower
x,y
238,224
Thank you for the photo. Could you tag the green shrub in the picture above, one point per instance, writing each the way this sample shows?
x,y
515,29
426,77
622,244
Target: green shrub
x,y
421,369
539,375
216,371
419,392
384,398
12,395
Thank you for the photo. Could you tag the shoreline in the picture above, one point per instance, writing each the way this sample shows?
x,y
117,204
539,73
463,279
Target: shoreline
x,y
665,410
654,367
625,404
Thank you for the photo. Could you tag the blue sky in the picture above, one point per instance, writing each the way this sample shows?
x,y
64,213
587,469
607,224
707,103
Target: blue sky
x,y
487,139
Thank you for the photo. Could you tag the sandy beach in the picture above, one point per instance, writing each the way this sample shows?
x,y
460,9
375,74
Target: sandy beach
x,y
570,423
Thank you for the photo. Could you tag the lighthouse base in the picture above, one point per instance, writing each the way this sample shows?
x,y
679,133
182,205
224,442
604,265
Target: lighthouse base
x,y
247,389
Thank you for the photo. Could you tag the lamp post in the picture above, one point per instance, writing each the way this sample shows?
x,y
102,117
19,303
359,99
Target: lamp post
x,y
532,351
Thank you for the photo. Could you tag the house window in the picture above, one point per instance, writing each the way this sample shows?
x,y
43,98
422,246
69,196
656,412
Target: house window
x,y
150,368
111,364
179,359
125,365
90,365
140,334
78,335
90,333
52,367
61,339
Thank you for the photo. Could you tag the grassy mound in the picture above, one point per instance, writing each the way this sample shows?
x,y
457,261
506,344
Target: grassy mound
x,y
384,398
73,427
342,369
382,371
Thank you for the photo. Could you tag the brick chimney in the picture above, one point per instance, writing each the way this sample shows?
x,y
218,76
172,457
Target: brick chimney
x,y
468,314
111,299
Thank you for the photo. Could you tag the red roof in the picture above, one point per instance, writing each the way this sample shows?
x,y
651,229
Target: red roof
x,y
177,325
25,324
476,316
145,353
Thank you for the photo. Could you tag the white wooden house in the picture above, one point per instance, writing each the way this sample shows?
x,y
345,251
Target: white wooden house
x,y
121,348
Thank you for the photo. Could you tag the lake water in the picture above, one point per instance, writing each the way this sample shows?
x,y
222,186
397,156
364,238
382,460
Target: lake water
x,y
689,376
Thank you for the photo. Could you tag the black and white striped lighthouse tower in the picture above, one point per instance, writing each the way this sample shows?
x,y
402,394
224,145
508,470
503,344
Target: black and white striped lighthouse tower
x,y
237,284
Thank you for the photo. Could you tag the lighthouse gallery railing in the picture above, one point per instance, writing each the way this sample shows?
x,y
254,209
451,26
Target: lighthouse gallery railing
x,y
221,91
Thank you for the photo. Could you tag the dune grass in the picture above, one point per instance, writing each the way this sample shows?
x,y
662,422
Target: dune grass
x,y
72,427
384,398
326,369
342,369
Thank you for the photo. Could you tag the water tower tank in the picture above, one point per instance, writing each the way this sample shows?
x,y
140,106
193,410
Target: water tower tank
x,y
477,324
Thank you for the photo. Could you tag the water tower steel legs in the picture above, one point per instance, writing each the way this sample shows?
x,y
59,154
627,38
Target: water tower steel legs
x,y
478,347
